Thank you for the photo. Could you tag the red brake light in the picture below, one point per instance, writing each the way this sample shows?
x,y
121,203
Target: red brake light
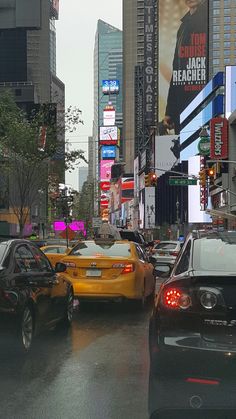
x,y
175,298
203,381
174,253
128,268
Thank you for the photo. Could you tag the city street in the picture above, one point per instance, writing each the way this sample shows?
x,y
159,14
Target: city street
x,y
98,371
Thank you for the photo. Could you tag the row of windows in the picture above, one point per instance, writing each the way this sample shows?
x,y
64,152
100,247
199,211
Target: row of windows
x,y
227,53
227,28
217,12
227,3
227,19
227,44
216,61
217,36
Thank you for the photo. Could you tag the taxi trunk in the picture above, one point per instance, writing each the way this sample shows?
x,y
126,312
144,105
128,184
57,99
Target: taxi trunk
x,y
104,278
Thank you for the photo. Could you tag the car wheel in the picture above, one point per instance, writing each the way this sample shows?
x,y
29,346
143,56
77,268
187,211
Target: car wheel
x,y
67,320
26,330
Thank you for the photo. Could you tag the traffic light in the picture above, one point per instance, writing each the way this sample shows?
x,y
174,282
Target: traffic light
x,y
211,172
202,177
147,180
153,179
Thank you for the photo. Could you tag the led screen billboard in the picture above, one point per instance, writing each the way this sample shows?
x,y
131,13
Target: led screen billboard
x,y
183,58
110,87
109,117
195,215
108,135
105,169
230,94
166,154
108,152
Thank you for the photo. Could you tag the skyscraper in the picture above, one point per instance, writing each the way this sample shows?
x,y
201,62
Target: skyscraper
x,y
108,65
83,175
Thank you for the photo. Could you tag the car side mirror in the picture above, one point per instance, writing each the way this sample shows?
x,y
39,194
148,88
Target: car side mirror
x,y
162,270
152,260
60,267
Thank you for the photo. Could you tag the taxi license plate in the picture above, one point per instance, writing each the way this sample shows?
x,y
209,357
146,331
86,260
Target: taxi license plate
x,y
93,272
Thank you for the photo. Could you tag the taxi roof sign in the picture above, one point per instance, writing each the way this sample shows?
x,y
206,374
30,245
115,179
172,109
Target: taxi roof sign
x,y
108,232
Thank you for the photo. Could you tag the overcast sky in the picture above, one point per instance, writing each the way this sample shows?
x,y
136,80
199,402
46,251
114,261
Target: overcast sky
x,y
76,30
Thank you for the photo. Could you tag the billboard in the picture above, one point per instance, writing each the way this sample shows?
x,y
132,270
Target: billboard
x,y
183,58
109,117
165,158
127,189
195,214
108,152
108,135
230,94
105,169
219,138
55,9
149,61
149,211
110,87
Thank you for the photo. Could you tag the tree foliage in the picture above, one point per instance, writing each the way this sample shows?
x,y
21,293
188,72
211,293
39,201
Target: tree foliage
x,y
28,142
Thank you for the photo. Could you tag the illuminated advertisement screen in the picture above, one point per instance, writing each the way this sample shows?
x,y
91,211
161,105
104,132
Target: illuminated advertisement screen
x,y
108,152
109,117
230,94
108,135
183,58
195,215
105,169
110,87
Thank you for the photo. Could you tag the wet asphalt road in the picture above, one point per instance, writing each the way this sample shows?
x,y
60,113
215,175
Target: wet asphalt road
x,y
99,370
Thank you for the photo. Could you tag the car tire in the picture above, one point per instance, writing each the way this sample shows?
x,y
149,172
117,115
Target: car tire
x,y
25,331
68,316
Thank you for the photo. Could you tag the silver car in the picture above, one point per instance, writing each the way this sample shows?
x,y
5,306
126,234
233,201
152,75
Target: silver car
x,y
166,251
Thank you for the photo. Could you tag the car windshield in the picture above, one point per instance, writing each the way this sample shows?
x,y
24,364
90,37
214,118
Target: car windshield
x,y
215,254
94,249
166,246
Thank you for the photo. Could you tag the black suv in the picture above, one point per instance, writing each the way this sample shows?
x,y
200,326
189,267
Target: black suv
x,y
132,235
193,327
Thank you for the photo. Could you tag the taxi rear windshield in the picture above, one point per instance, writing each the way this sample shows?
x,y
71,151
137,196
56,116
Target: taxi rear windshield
x,y
94,249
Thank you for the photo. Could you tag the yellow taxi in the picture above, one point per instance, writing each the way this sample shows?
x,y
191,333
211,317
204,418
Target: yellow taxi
x,y
55,252
109,269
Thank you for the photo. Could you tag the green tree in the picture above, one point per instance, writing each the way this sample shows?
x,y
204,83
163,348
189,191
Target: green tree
x,y
27,145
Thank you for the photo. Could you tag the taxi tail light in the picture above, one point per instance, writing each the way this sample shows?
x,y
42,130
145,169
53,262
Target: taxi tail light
x,y
127,269
174,298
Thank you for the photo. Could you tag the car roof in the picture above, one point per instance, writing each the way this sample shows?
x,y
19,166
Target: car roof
x,y
225,235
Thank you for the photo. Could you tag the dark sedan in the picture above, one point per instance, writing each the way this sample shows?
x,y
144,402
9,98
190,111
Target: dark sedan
x,y
32,294
193,330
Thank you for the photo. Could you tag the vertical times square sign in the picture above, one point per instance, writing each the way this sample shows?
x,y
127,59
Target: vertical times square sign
x,y
149,62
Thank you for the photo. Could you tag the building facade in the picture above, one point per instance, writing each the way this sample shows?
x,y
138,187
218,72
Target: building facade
x,y
28,70
83,176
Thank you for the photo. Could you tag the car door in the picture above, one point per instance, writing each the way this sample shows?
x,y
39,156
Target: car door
x,y
29,276
148,271
148,287
58,284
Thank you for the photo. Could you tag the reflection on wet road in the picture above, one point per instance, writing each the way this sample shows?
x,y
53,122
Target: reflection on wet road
x,y
99,370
